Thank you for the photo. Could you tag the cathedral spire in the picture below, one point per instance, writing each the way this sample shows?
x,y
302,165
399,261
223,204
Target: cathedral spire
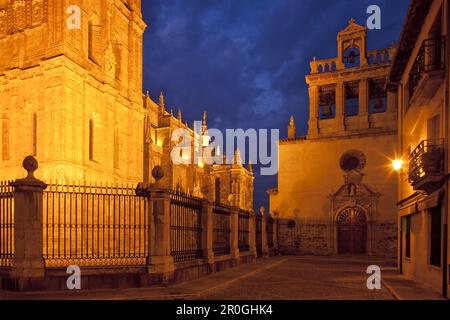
x,y
291,128
250,166
161,101
179,115
204,125
237,157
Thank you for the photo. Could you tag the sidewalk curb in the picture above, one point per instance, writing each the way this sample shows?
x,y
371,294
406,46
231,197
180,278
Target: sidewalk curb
x,y
391,290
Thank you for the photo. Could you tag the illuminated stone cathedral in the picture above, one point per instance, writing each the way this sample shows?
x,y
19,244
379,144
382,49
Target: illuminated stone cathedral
x,y
336,191
73,99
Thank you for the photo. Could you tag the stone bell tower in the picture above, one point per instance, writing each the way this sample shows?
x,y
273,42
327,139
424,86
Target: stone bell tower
x,y
347,93
72,97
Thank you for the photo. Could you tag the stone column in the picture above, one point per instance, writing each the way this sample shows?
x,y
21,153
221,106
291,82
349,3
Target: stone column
x,y
364,103
28,235
391,109
160,260
340,106
313,130
363,52
234,234
207,234
252,234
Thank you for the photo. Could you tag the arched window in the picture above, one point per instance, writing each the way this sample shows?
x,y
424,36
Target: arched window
x,y
352,57
94,38
95,138
34,134
91,139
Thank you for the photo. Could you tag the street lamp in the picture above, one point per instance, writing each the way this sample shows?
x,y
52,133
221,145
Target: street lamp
x,y
397,164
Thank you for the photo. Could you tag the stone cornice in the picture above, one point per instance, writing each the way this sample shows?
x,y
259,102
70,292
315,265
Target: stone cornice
x,y
347,74
358,135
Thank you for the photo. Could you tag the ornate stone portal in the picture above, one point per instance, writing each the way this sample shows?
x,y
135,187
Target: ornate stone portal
x,y
353,207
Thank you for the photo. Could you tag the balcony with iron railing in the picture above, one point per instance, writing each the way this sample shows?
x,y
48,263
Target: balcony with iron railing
x,y
426,165
428,70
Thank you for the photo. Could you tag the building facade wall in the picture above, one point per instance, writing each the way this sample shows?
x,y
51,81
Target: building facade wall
x,y
306,189
424,121
70,97
336,189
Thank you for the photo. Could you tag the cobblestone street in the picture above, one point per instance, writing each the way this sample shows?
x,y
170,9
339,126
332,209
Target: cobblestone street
x,y
305,278
279,278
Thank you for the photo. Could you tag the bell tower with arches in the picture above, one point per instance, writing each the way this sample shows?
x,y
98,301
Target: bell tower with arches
x,y
348,93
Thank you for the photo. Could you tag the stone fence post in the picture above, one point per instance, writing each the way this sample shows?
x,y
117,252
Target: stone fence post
x,y
264,245
275,234
28,235
160,261
252,234
234,233
207,233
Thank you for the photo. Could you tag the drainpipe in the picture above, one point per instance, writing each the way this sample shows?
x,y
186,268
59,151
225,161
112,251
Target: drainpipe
x,y
400,251
445,267
446,16
400,114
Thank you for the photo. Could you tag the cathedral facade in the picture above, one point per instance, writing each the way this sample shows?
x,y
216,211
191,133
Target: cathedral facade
x,y
336,190
72,97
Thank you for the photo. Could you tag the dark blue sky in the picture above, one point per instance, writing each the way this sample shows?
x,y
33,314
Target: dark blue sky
x,y
245,61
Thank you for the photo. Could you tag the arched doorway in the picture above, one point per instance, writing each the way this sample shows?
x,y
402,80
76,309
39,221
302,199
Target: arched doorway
x,y
352,231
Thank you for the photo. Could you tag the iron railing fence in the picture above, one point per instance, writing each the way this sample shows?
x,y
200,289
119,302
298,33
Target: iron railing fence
x,y
426,160
431,57
221,230
270,232
91,225
258,234
185,227
244,231
6,224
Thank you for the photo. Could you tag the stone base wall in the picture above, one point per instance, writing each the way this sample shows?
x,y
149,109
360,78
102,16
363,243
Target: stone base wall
x,y
385,239
120,277
297,237
306,237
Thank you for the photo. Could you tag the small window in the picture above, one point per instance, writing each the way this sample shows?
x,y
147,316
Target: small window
x,y
435,236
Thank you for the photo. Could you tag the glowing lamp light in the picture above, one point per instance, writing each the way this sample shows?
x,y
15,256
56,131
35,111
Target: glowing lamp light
x,y
205,140
397,164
